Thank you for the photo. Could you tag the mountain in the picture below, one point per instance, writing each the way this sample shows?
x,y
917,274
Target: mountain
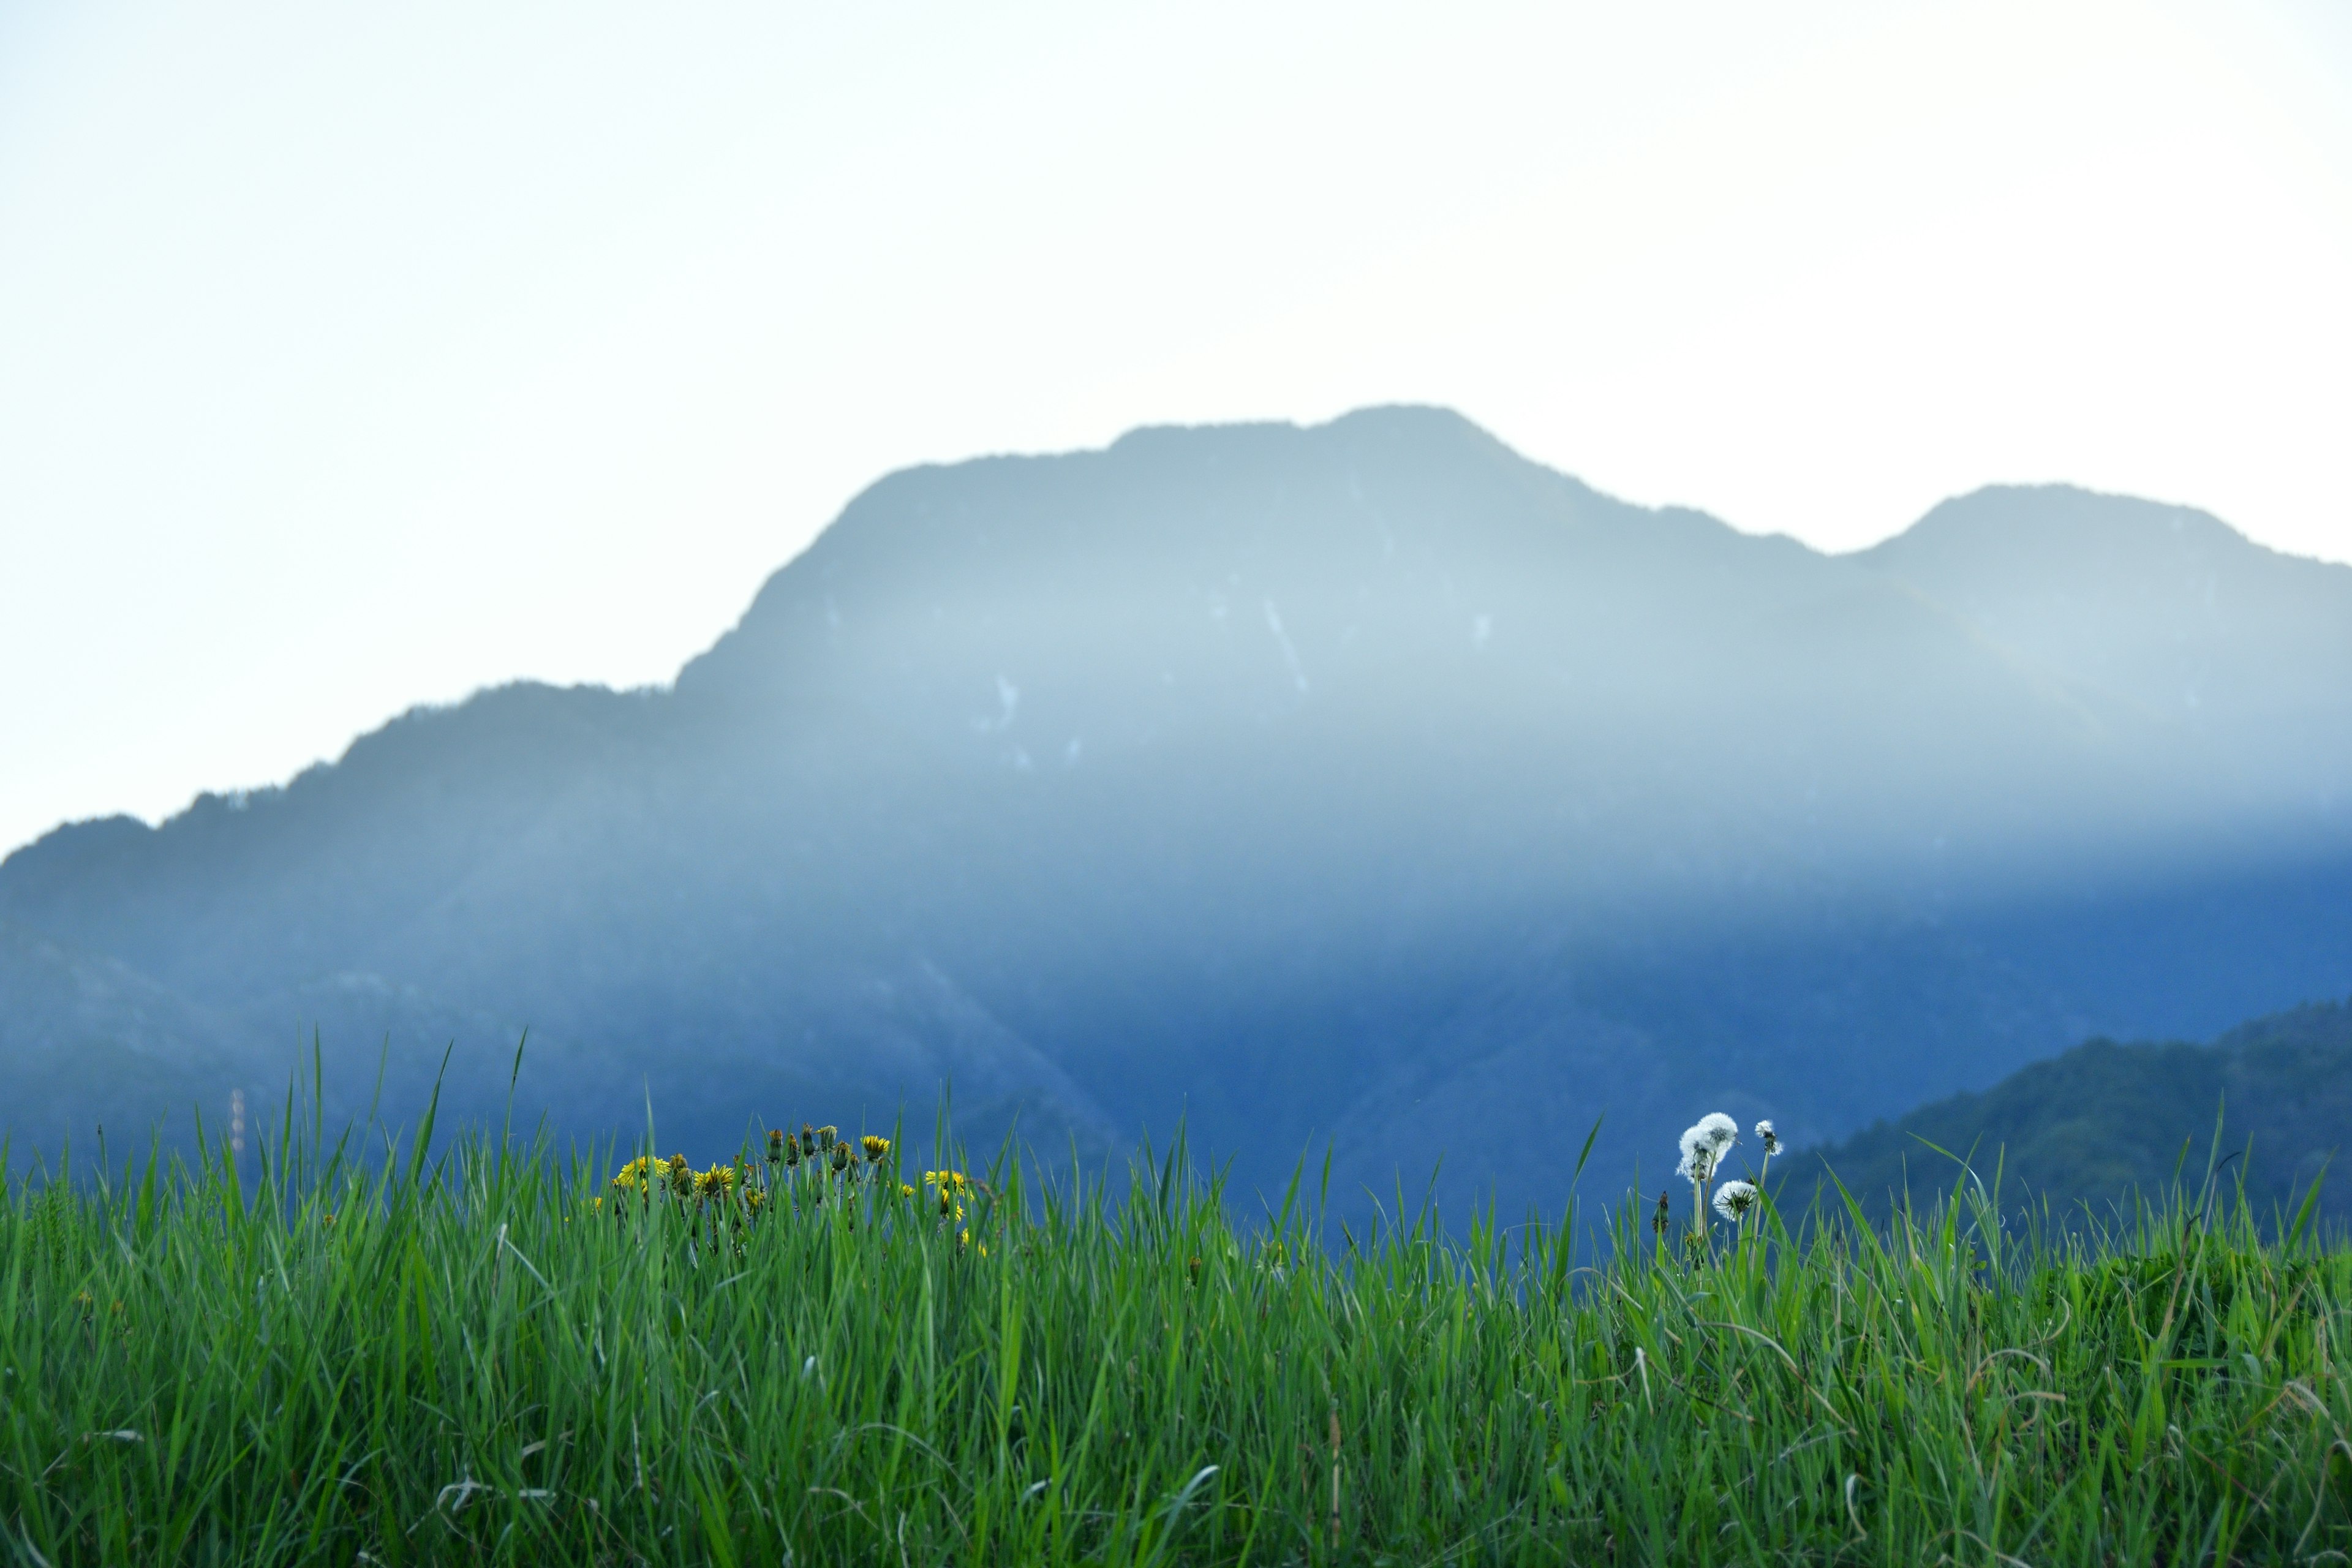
x,y
2106,1120
86,1041
1365,783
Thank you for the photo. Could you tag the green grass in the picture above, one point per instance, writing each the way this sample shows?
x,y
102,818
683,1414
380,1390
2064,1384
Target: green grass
x,y
463,1360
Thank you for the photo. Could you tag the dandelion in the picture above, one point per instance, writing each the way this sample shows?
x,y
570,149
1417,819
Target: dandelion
x,y
775,1145
1770,1138
1704,1145
827,1136
875,1148
950,1186
1734,1199
637,1176
840,1156
1664,1217
904,1191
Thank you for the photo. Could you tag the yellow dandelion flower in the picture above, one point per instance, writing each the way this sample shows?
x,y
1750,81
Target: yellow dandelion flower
x,y
875,1148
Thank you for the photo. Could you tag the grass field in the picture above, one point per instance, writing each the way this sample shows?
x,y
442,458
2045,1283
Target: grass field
x,y
489,1356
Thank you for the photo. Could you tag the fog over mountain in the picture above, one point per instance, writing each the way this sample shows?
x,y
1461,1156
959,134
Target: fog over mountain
x,y
1365,783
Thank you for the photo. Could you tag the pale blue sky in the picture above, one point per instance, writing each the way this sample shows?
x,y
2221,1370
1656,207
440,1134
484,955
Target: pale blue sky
x,y
352,357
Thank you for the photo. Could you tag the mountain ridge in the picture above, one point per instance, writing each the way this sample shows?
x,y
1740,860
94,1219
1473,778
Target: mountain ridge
x,y
1296,778
2084,1133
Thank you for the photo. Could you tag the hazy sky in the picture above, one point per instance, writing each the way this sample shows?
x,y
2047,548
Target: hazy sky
x,y
357,356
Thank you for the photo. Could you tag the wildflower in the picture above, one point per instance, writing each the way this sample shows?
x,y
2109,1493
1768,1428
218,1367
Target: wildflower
x,y
636,1174
1704,1144
904,1191
808,1138
840,1156
1734,1199
755,1199
827,1136
1659,1221
1771,1141
875,1148
791,1151
714,1184
775,1145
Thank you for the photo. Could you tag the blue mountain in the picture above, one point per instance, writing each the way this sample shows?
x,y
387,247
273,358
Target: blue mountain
x,y
1365,785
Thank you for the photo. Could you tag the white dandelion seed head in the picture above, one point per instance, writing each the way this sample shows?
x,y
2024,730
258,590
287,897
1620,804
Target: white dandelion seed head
x,y
1703,1143
1734,1199
1768,1137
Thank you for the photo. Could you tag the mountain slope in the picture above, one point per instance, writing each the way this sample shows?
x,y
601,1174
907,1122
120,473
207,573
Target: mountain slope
x,y
2104,1121
88,1044
1364,781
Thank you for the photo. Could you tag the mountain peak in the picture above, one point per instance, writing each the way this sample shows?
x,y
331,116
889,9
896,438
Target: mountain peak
x,y
2165,606
2059,530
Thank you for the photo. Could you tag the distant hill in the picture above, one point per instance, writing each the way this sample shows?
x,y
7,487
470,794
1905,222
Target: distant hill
x,y
1364,783
88,1045
2104,1120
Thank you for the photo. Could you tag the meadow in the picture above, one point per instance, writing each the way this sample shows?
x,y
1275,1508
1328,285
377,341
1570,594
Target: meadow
x,y
488,1352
